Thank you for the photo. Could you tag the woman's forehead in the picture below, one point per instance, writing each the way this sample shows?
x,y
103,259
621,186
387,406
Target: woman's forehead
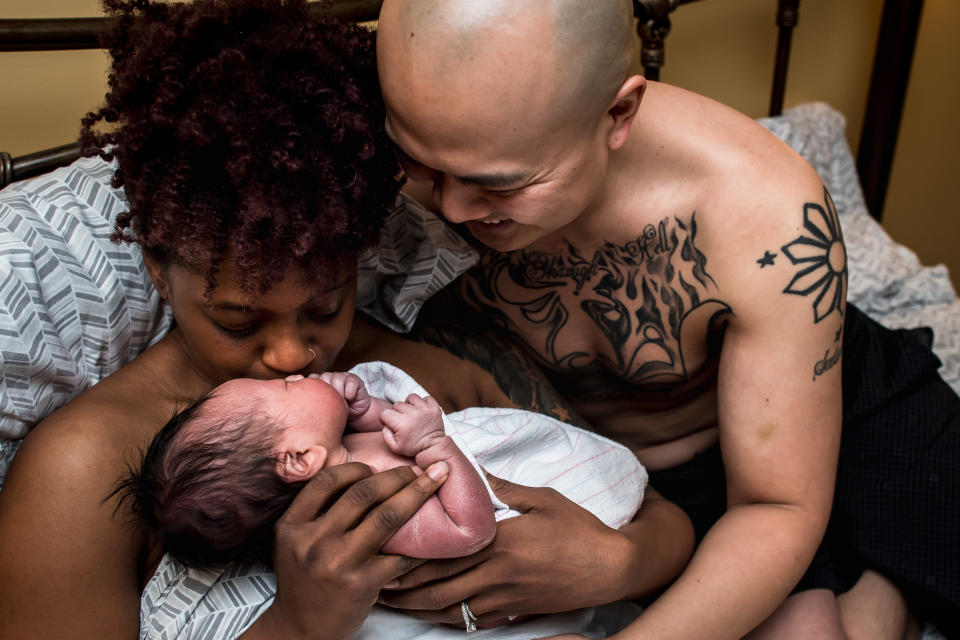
x,y
296,288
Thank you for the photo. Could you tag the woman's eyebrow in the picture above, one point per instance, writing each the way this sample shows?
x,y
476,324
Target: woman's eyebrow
x,y
233,306
317,299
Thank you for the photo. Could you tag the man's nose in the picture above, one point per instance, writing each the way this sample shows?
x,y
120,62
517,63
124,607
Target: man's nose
x,y
287,351
460,202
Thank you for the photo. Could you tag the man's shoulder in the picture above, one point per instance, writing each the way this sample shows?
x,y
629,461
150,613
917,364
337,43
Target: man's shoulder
x,y
725,157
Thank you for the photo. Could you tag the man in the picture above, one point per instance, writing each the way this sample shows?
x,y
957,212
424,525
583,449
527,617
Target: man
x,y
681,274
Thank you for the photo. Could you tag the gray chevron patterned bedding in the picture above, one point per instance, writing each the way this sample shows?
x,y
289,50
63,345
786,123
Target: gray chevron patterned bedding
x,y
74,306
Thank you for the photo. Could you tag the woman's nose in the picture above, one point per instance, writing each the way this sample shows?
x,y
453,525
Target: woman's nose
x,y
287,352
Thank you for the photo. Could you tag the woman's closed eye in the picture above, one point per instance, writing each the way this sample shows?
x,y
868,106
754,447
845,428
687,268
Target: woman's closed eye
x,y
323,315
237,333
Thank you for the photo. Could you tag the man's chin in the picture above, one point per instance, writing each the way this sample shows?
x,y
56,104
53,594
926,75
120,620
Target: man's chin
x,y
502,236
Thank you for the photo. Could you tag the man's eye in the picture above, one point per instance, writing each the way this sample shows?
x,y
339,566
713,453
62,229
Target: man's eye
x,y
503,193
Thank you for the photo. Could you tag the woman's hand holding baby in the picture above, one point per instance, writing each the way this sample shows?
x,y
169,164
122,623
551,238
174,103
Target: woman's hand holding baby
x,y
327,549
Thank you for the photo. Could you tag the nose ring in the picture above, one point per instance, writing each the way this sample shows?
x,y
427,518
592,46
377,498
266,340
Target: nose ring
x,y
314,355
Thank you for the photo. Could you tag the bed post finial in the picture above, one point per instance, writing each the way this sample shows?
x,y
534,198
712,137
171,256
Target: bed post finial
x,y
653,27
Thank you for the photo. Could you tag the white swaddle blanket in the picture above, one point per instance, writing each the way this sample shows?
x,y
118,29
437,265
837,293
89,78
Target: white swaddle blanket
x,y
528,448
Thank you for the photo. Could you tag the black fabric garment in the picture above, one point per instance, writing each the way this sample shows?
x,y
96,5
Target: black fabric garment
x,y
897,500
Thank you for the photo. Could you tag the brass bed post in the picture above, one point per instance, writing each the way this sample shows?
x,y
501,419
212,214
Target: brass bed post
x,y
787,11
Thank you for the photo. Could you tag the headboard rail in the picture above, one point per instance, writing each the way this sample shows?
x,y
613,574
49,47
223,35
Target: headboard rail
x,y
888,85
53,34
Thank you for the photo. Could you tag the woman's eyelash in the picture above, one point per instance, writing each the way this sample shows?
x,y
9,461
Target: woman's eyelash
x,y
322,316
237,333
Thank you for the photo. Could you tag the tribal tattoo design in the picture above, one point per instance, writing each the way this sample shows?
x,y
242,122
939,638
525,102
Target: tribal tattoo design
x,y
640,296
821,261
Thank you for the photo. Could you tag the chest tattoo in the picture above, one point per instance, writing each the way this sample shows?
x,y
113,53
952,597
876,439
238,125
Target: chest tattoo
x,y
627,307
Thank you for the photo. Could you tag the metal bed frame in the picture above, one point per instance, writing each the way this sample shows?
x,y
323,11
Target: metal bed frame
x,y
896,41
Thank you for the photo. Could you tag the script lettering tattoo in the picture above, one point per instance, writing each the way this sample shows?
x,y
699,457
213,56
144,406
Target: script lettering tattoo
x,y
639,295
829,361
822,259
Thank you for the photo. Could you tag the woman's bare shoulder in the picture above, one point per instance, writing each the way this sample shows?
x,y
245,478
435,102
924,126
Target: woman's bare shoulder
x,y
89,442
57,516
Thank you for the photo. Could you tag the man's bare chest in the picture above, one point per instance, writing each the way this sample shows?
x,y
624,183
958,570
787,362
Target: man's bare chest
x,y
639,312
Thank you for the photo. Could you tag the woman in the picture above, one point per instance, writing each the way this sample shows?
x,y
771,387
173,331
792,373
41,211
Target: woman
x,y
251,150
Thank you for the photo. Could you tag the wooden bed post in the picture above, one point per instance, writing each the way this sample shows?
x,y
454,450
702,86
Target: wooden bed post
x,y
888,89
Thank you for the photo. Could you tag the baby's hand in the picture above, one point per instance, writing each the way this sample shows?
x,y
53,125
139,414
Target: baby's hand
x,y
351,388
413,425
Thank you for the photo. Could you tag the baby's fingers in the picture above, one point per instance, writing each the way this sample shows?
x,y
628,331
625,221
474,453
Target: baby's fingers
x,y
353,388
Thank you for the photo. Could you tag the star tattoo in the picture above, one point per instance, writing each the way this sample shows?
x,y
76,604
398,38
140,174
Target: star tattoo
x,y
767,259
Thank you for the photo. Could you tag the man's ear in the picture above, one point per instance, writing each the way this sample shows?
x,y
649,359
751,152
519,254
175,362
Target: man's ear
x,y
623,109
158,274
300,466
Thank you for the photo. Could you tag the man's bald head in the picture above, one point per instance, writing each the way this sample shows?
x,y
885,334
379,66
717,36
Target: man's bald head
x,y
572,54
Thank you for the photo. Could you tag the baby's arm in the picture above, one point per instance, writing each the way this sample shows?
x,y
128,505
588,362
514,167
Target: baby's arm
x,y
462,522
363,410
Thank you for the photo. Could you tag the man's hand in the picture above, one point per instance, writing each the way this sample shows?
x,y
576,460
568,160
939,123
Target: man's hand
x,y
554,557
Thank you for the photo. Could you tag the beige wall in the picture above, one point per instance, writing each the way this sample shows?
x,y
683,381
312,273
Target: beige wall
x,y
726,50
721,49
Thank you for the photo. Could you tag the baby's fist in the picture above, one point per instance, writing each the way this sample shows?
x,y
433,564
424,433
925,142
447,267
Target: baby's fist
x,y
352,389
413,425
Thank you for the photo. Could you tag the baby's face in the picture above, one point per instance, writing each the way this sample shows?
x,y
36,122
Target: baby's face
x,y
311,412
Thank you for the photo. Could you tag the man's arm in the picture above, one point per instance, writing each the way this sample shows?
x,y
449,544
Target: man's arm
x,y
518,573
780,418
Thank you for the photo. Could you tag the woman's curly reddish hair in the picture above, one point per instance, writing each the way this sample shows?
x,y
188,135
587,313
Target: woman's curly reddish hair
x,y
248,128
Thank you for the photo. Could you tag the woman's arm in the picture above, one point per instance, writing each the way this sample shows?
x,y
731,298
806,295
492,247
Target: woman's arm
x,y
72,564
69,562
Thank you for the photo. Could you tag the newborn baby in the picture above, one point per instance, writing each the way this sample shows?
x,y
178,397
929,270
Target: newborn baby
x,y
217,477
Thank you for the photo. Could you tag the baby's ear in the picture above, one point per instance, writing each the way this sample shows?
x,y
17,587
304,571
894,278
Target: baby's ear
x,y
300,466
